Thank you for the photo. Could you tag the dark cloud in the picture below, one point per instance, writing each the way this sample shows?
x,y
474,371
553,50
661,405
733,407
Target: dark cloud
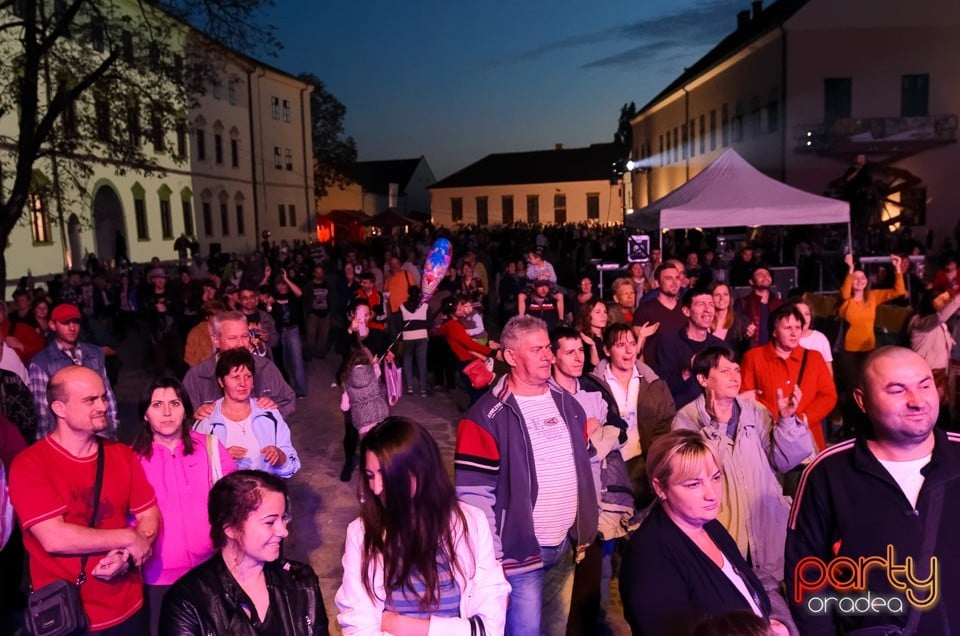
x,y
660,38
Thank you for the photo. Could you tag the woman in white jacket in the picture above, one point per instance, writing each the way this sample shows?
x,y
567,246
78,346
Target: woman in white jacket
x,y
416,561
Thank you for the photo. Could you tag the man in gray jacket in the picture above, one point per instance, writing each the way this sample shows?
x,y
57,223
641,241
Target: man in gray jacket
x,y
270,390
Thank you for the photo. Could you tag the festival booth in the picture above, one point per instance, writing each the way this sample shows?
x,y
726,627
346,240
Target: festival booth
x,y
731,193
343,226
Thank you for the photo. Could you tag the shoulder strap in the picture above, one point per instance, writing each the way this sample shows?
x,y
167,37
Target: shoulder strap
x,y
97,487
803,366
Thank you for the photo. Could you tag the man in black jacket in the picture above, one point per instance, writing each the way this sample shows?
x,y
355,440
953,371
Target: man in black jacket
x,y
868,541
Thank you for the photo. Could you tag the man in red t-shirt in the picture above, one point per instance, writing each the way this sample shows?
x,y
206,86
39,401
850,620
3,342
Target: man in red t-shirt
x,y
51,487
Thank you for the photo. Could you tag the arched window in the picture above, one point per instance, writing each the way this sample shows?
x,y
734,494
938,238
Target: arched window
x,y
166,217
39,209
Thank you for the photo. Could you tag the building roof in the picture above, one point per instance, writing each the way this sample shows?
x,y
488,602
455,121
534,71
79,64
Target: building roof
x,y
375,177
538,166
770,18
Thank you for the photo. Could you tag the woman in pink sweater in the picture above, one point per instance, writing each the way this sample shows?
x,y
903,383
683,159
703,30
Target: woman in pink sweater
x,y
177,462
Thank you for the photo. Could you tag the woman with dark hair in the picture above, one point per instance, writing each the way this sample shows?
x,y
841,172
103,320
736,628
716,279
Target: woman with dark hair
x,y
416,560
728,325
246,589
256,438
591,321
681,566
181,465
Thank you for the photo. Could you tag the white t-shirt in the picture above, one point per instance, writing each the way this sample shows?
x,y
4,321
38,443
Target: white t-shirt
x,y
627,403
555,510
818,342
737,580
907,475
241,434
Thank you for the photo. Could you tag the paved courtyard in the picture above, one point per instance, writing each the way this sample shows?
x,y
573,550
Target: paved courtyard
x,y
322,506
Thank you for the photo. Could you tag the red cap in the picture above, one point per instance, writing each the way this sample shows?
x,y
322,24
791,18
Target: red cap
x,y
65,312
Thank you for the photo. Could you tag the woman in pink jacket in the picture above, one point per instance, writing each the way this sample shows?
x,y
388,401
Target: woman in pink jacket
x,y
177,462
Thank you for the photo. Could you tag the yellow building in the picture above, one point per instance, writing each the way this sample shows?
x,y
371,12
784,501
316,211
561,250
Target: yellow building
x,y
543,186
801,87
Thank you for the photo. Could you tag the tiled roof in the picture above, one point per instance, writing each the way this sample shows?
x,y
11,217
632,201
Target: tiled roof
x,y
539,166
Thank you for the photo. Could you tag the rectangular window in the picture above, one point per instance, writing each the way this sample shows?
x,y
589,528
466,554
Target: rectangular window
x,y
277,160
232,91
97,33
773,110
288,158
140,213
506,209
157,134
837,99
241,223
282,212
914,95
166,219
218,148
756,123
275,107
736,133
684,139
224,218
676,145
559,208
286,111
456,210
207,219
713,129
126,45
292,215
533,208
703,134
725,126
101,114
187,217
217,89
181,140
693,138
593,206
133,125
201,144
39,218
234,153
661,150
482,211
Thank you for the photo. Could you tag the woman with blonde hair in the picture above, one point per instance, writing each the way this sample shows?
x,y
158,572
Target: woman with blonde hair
x,y
681,566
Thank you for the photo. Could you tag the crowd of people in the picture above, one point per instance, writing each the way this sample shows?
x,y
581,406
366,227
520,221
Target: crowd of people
x,y
681,428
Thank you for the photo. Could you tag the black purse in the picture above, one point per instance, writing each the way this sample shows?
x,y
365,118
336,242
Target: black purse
x,y
56,608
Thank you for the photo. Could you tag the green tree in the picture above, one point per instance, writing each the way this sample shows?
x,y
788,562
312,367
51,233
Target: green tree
x,y
333,153
88,82
624,134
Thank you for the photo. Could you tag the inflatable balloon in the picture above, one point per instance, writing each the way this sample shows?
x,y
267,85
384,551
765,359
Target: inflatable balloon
x,y
435,268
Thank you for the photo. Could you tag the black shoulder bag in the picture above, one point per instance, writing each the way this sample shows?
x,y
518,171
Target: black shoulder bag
x,y
56,608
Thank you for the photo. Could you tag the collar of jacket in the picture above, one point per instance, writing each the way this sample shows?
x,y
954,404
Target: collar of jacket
x,y
944,463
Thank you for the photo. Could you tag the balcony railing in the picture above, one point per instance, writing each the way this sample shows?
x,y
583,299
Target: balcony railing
x,y
877,135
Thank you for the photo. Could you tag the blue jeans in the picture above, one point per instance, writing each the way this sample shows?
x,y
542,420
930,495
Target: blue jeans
x,y
415,351
540,600
293,359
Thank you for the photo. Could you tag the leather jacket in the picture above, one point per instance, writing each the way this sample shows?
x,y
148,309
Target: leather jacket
x,y
207,602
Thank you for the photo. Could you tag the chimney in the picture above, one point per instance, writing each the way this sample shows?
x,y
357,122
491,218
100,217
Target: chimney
x,y
757,6
743,19
558,146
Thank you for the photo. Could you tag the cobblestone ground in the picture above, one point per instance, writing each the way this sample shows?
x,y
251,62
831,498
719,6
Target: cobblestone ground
x,y
322,506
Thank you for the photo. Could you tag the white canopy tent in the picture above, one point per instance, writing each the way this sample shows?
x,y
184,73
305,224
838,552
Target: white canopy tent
x,y
730,192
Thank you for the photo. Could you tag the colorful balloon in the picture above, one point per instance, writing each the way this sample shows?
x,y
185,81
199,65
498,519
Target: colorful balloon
x,y
435,268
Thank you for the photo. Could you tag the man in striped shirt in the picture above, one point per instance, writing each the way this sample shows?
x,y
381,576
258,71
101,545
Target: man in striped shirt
x,y
521,457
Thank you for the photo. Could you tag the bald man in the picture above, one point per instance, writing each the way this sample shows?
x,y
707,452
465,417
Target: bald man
x,y
51,487
891,494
